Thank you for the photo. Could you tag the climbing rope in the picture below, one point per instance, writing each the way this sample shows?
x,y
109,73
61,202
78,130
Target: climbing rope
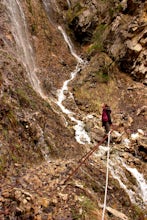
x,y
107,172
85,157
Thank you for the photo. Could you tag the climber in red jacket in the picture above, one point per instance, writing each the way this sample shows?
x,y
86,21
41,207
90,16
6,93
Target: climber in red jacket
x,y
106,118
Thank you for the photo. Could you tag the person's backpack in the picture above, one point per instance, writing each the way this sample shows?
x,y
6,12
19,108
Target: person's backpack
x,y
104,116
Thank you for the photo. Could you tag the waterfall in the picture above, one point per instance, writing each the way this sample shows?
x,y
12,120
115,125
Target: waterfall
x,y
24,49
47,7
67,40
80,134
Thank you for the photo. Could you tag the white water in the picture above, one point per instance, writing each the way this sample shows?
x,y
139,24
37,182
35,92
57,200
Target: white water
x,y
80,134
139,195
142,185
136,192
118,173
24,49
47,7
67,40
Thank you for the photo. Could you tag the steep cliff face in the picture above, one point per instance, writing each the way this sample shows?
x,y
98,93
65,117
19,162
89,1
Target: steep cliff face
x,y
28,122
37,140
116,27
129,33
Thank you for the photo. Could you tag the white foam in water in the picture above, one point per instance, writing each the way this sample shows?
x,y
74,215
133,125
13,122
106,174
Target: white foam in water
x,y
126,142
142,185
101,151
119,175
137,193
135,136
80,133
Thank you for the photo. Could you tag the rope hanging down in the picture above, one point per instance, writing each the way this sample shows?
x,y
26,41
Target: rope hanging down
x,y
85,157
106,185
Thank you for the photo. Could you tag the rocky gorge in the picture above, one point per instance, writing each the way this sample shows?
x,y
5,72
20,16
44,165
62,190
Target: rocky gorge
x,y
60,60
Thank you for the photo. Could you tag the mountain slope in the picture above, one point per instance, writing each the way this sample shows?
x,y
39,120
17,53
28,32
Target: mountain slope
x,y
38,145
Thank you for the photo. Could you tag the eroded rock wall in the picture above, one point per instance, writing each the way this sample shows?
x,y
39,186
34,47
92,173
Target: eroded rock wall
x,y
119,27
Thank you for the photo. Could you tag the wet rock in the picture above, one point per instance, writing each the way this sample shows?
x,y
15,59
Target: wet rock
x,y
88,126
96,134
38,189
117,136
24,201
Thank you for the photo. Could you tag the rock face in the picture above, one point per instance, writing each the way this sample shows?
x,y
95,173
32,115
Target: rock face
x,y
85,17
120,26
128,32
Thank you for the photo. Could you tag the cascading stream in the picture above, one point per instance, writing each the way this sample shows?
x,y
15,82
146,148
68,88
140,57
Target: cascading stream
x,y
138,192
80,134
67,40
117,173
141,183
49,5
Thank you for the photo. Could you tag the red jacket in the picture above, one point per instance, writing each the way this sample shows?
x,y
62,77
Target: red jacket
x,y
106,117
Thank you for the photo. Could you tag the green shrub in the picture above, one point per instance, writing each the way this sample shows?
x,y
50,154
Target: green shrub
x,y
98,39
23,98
74,12
102,76
12,118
